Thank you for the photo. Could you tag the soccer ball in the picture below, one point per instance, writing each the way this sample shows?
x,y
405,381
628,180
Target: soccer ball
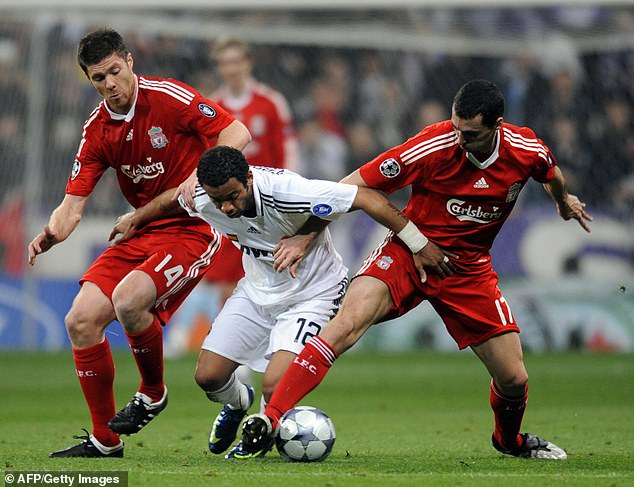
x,y
306,434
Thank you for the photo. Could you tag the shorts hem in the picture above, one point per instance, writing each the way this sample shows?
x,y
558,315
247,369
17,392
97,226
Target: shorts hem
x,y
486,337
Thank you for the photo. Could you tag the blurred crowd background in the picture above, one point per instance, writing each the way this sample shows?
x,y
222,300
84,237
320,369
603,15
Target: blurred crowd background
x,y
350,103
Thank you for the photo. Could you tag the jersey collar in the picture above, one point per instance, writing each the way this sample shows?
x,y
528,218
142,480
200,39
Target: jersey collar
x,y
259,211
128,116
235,103
491,159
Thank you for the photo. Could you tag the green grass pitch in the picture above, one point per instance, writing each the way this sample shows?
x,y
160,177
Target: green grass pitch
x,y
402,419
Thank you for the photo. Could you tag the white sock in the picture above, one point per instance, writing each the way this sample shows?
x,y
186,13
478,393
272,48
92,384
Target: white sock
x,y
234,394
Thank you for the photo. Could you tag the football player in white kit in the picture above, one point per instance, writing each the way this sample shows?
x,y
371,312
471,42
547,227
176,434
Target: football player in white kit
x,y
292,286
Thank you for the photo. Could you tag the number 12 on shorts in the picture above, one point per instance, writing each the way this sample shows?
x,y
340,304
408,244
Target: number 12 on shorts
x,y
307,330
498,304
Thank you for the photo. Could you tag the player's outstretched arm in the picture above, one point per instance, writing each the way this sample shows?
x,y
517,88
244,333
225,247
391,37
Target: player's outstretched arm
x,y
426,253
127,225
568,205
61,224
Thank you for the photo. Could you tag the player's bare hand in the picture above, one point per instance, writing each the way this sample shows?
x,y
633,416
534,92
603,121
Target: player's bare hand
x,y
187,189
433,257
574,209
41,243
124,229
290,252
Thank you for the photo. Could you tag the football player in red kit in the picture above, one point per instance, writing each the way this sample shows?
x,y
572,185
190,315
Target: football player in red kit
x,y
465,175
151,131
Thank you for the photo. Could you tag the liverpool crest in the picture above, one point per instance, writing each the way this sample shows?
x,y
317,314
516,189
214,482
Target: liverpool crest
x,y
157,137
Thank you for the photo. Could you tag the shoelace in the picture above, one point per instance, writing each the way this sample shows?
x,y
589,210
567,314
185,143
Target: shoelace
x,y
85,437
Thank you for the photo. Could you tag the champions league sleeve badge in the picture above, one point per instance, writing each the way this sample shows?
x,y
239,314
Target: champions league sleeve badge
x,y
206,110
390,168
76,168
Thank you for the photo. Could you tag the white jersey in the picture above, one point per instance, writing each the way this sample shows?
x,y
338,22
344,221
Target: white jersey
x,y
283,201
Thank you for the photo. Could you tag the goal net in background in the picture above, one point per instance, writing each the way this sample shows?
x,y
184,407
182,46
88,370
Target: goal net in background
x,y
358,81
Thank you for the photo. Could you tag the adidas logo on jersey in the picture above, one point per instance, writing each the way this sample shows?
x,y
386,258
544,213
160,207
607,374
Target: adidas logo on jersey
x,y
481,183
253,230
128,137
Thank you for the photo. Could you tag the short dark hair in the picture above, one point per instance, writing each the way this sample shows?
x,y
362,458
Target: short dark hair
x,y
220,164
98,45
479,96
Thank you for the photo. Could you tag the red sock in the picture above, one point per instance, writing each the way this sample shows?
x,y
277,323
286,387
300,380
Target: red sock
x,y
302,376
508,412
95,371
147,348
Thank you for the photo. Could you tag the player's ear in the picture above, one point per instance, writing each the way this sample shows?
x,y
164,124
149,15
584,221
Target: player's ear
x,y
499,122
130,60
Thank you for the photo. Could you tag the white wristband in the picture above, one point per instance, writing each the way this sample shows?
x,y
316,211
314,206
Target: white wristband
x,y
412,237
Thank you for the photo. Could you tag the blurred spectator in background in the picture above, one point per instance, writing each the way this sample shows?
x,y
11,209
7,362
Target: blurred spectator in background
x,y
262,109
322,152
572,152
612,181
362,146
429,112
522,82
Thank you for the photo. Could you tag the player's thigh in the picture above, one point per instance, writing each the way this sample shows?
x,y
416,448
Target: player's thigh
x,y
298,323
473,308
367,301
175,267
392,264
136,291
240,332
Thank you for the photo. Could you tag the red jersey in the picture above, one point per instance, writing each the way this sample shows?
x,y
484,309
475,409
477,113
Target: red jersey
x,y
154,147
266,114
458,204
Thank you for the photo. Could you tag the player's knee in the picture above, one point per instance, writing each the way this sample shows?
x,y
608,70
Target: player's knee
x,y
124,305
130,308
512,382
207,380
81,329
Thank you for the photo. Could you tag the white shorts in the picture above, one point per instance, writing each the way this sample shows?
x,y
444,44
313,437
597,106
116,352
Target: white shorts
x,y
249,334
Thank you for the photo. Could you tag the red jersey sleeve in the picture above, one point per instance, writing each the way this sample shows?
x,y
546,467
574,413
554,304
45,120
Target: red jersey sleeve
x,y
89,165
390,171
545,168
201,116
544,160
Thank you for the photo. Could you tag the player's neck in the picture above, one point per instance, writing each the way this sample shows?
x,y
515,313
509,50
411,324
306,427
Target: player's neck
x,y
239,89
484,155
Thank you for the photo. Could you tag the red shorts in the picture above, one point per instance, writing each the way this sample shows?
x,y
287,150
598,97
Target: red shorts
x,y
227,266
471,306
176,257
